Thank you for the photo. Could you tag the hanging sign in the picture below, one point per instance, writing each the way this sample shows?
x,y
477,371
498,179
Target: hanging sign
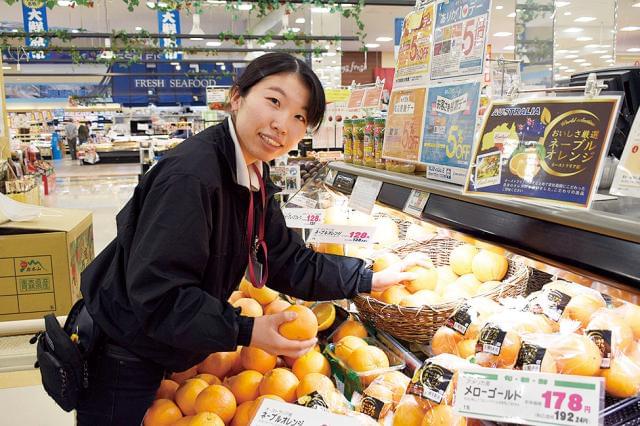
x,y
543,150
412,68
403,133
460,37
449,128
356,98
626,181
169,23
34,17
372,97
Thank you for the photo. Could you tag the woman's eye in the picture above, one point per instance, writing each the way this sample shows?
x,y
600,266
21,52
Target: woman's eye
x,y
301,118
274,101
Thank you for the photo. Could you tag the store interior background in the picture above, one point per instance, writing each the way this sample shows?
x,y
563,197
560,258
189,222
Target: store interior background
x,y
587,35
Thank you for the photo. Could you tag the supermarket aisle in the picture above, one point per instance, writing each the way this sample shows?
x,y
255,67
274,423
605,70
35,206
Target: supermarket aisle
x,y
103,189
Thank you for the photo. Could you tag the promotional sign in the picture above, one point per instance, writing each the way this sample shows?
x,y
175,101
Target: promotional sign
x,y
342,234
34,17
449,128
626,181
356,98
169,23
372,97
277,413
547,150
460,37
287,178
412,68
529,398
403,133
303,218
337,95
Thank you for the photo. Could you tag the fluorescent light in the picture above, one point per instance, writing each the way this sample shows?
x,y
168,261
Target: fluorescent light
x,y
611,61
151,5
562,3
74,31
579,60
570,70
634,49
591,46
295,29
214,43
6,67
499,7
384,39
567,14
585,19
502,34
320,10
571,56
629,28
372,45
511,15
595,52
300,21
269,45
564,67
509,47
244,6
586,64
562,51
584,38
573,30
162,4
138,28
64,3
196,38
605,57
636,5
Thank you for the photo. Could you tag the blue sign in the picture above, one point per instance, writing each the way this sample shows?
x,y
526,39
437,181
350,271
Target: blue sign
x,y
54,90
399,22
169,23
460,10
34,16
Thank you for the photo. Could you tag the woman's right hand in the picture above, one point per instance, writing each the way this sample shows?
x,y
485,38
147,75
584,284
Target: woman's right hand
x,y
265,336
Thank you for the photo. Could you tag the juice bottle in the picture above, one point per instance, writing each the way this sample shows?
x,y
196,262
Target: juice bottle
x,y
369,145
347,140
378,139
358,141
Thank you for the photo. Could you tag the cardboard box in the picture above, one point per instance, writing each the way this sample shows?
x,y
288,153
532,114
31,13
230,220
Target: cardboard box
x,y
41,261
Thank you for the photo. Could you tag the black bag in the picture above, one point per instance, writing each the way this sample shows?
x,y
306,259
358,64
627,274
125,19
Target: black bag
x,y
62,355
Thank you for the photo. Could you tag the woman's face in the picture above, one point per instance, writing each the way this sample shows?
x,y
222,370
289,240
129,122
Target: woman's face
x,y
272,118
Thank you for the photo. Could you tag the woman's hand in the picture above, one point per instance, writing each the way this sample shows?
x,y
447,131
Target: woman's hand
x,y
265,336
395,274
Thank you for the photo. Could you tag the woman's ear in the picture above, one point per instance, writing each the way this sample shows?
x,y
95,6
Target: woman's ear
x,y
235,100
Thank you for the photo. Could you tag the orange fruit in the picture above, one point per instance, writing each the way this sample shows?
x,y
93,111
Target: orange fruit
x,y
256,404
248,307
276,306
445,340
576,354
582,306
394,295
187,393
314,382
379,391
167,389
631,315
508,353
384,261
235,296
237,365
346,345
466,348
408,413
304,327
368,359
311,362
257,359
242,414
397,382
461,257
443,415
426,279
421,298
209,378
263,295
244,286
281,382
349,328
622,378
621,333
245,385
489,266
206,419
325,314
218,363
185,421
217,399
162,412
185,375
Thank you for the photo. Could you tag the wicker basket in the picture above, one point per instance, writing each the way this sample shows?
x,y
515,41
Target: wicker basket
x,y
419,324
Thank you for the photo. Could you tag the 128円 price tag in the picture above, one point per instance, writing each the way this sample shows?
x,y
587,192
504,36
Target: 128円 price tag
x,y
303,218
342,234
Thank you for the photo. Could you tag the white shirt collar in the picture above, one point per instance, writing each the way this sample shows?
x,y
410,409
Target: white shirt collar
x,y
246,176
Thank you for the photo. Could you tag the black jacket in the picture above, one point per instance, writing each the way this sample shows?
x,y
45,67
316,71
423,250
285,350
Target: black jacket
x,y
160,288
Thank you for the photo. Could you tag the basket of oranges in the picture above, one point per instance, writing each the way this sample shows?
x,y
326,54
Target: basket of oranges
x,y
415,310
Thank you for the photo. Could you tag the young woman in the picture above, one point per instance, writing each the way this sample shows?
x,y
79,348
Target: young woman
x,y
184,241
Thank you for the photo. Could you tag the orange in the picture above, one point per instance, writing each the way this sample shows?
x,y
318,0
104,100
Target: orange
x,y
244,287
237,365
631,315
162,412
582,306
248,307
276,306
445,340
235,296
348,344
217,399
256,404
394,295
257,359
379,391
349,328
304,327
183,376
245,385
263,295
167,389
242,414
621,333
396,381
466,348
576,354
314,382
206,419
384,261
622,378
426,279
408,413
187,393
461,258
489,266
218,363
311,362
325,314
209,378
281,382
185,421
442,415
508,353
367,359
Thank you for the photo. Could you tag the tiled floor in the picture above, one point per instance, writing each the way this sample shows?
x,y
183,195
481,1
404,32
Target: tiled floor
x,y
102,189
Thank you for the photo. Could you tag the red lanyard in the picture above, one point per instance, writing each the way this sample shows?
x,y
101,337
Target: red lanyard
x,y
260,243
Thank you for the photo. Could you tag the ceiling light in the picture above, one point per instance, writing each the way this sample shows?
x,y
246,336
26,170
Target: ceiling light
x,y
557,64
223,67
151,5
499,7
15,30
244,6
636,5
300,21
574,51
567,14
561,51
295,29
595,52
591,46
573,30
502,34
74,31
320,10
64,3
384,39
269,45
564,67
584,38
585,19
509,47
6,67
511,15
586,64
214,43
605,57
138,28
570,70
611,61
579,60
372,45
634,49
329,54
562,3
571,56
629,28
162,4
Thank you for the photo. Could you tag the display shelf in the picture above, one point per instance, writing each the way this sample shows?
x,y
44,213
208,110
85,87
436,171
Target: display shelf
x,y
598,243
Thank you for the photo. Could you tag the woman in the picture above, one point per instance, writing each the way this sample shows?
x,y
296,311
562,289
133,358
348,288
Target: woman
x,y
159,290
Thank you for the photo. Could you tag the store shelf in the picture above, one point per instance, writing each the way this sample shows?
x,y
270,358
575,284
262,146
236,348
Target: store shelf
x,y
594,243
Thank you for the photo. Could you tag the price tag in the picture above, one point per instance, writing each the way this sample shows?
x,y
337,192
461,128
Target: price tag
x,y
342,234
303,218
277,413
364,194
416,202
529,398
303,201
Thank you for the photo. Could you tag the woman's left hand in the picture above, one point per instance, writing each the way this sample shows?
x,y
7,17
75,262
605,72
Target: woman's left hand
x,y
395,273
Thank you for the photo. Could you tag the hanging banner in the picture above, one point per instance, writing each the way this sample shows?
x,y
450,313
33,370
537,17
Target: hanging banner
x,y
169,23
449,128
543,150
412,68
403,133
460,37
34,17
626,181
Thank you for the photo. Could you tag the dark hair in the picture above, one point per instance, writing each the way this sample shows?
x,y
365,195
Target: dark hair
x,y
276,63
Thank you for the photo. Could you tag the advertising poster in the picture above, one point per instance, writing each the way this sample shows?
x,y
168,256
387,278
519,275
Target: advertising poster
x,y
543,150
34,18
286,177
372,97
449,128
626,181
403,133
460,36
412,67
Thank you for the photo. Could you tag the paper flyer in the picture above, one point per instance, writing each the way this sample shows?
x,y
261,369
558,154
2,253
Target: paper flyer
x,y
626,181
412,68
547,150
403,133
449,128
460,37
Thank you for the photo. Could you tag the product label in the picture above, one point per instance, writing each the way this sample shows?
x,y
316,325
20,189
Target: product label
x,y
551,303
530,357
303,218
491,339
430,382
313,400
373,407
342,234
602,339
461,319
416,203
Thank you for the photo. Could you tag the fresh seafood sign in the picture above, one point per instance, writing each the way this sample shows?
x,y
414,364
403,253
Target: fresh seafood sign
x,y
548,150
